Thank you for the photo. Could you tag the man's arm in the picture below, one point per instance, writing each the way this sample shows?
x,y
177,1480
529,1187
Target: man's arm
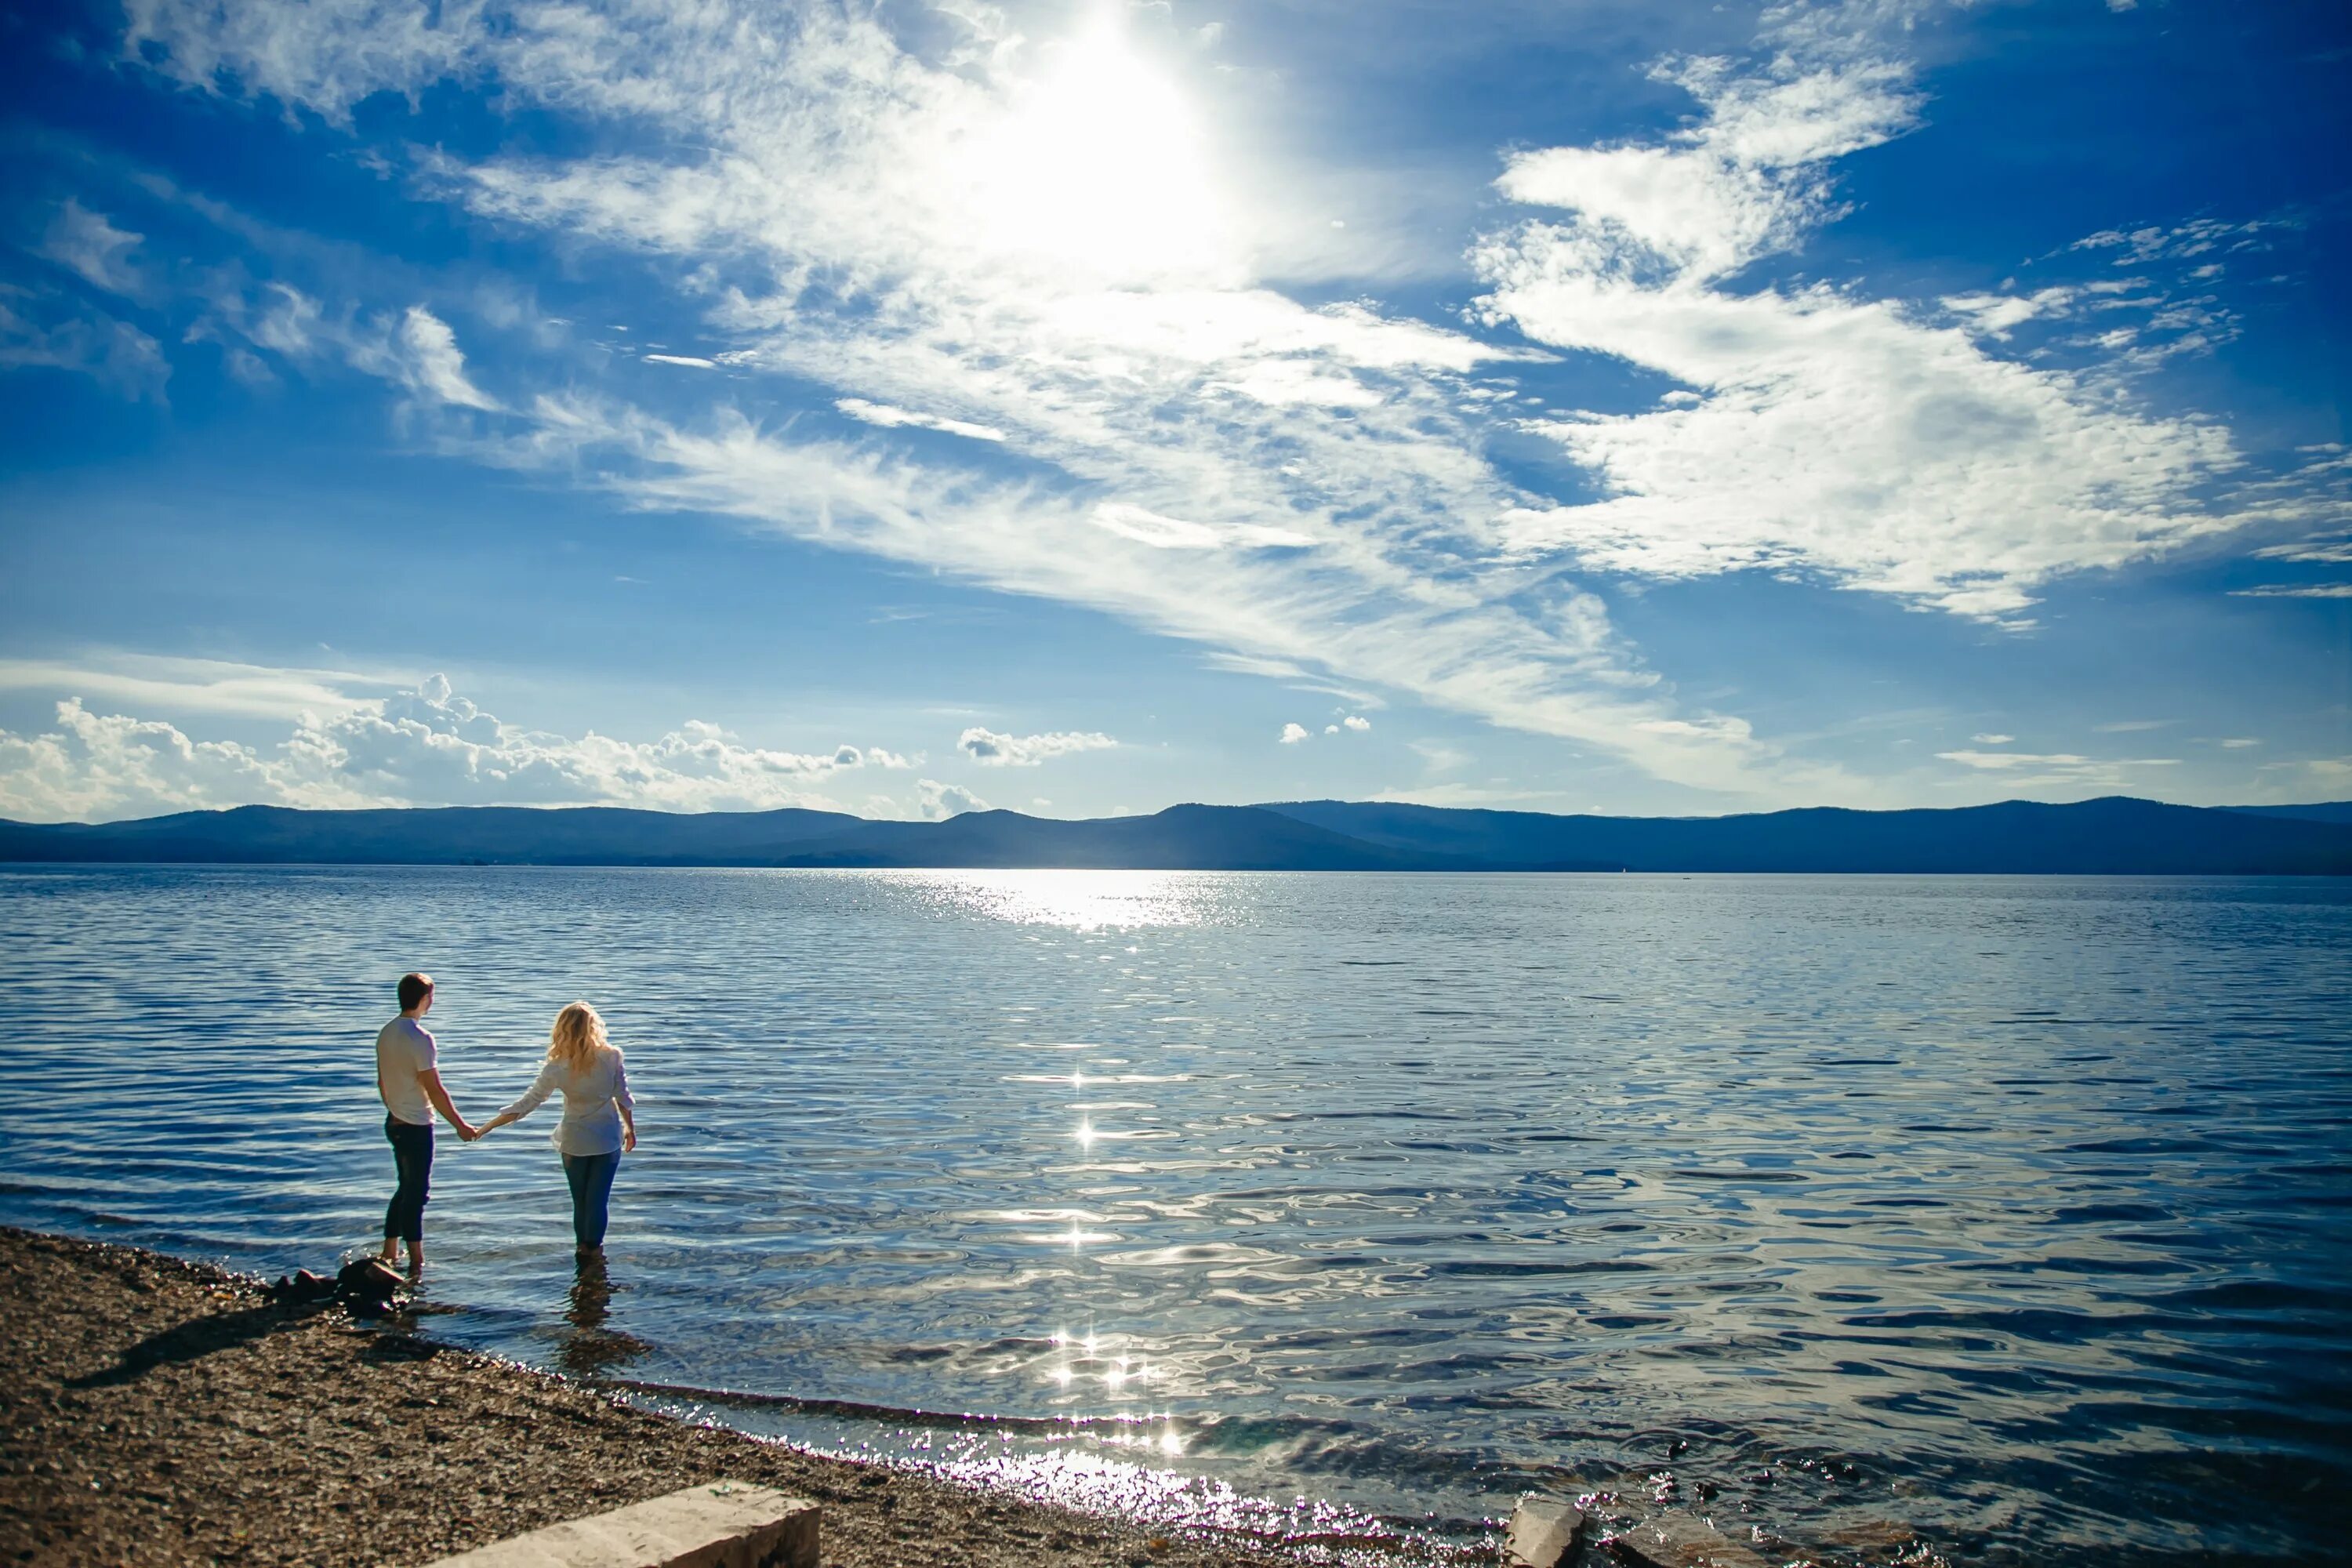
x,y
430,1081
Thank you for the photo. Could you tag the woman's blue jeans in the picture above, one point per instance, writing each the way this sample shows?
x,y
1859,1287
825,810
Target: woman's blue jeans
x,y
591,1179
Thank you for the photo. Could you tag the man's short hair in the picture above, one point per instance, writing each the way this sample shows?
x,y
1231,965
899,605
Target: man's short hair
x,y
414,988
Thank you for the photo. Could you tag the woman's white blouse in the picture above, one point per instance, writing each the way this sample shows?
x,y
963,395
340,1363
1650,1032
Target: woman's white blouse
x,y
591,1124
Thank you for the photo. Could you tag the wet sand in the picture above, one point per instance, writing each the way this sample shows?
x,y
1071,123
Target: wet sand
x,y
154,1411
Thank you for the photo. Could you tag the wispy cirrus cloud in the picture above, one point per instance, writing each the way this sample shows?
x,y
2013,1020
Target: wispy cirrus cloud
x,y
891,418
2296,591
87,243
1854,439
2059,769
1033,245
48,331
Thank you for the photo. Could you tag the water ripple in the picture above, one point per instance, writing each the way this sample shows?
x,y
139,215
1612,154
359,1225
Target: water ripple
x,y
2027,1200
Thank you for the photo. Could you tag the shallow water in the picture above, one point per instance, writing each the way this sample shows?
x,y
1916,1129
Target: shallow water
x,y
2029,1199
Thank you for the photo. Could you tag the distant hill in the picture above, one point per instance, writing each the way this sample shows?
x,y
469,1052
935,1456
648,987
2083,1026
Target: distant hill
x,y
566,836
2115,835
2319,810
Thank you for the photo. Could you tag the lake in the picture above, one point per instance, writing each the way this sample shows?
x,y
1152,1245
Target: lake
x,y
2016,1210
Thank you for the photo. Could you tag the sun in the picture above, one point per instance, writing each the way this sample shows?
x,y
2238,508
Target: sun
x,y
1099,168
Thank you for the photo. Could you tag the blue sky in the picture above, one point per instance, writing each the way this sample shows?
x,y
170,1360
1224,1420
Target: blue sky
x,y
1085,408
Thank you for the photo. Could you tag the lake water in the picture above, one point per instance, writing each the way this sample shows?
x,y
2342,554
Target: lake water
x,y
2031,1201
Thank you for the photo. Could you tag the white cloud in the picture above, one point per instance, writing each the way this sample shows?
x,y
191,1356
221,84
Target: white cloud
x,y
992,750
2325,549
2128,726
424,358
936,802
921,234
1292,734
688,360
2199,237
1852,439
182,686
423,745
92,248
414,350
2061,769
1341,536
2296,591
58,336
2239,742
1357,721
1992,740
882,413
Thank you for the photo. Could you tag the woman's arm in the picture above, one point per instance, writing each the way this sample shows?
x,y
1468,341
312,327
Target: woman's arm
x,y
628,1107
532,1098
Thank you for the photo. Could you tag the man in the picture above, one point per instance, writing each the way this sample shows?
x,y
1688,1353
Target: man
x,y
407,1076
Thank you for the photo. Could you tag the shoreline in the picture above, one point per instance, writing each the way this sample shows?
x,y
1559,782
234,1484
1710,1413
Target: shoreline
x,y
163,1411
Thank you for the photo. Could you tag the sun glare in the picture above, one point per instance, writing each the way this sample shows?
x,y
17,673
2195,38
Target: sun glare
x,y
1101,165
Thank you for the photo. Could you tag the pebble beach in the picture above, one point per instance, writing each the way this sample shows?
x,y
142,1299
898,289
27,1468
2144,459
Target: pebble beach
x,y
162,1412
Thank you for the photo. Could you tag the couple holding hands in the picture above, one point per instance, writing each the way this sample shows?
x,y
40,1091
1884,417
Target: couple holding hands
x,y
599,1118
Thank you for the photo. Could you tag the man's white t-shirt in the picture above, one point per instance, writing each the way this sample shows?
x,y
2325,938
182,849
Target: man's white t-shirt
x,y
402,1049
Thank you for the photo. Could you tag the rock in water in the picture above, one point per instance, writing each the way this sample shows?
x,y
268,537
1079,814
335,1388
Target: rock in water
x,y
368,1285
1543,1533
1681,1541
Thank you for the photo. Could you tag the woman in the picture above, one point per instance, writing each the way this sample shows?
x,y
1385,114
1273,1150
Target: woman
x,y
587,1067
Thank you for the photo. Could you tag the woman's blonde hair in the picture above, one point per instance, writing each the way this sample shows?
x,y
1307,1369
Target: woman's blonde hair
x,y
578,1034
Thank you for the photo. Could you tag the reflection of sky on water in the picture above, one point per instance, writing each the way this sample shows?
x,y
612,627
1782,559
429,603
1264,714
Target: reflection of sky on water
x,y
1411,1192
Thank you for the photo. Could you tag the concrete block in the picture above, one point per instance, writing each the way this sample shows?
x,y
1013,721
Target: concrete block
x,y
1543,1533
1681,1541
722,1524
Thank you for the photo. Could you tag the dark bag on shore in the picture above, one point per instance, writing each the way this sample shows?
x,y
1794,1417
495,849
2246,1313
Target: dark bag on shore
x,y
302,1288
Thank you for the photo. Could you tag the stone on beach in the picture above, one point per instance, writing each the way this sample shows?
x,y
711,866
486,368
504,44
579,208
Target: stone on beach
x,y
724,1524
1543,1533
1681,1541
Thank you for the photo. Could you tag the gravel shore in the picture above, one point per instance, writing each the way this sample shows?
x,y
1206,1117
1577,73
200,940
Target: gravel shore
x,y
158,1412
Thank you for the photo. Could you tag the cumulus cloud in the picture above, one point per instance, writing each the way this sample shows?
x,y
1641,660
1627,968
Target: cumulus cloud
x,y
936,802
421,745
1357,721
992,750
1292,734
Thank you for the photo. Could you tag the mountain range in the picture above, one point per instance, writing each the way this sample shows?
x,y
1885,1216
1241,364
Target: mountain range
x,y
2113,836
